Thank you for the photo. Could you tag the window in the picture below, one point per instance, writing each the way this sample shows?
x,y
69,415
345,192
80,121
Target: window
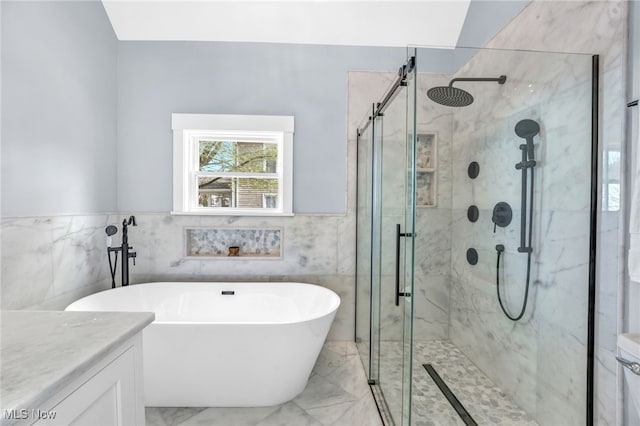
x,y
232,164
611,179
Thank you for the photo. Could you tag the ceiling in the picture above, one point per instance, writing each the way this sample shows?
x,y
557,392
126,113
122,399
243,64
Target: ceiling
x,y
357,23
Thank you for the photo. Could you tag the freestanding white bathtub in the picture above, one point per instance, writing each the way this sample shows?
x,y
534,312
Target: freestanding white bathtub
x,y
210,348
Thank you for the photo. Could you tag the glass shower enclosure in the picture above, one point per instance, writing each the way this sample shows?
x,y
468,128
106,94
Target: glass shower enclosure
x,y
476,196
385,243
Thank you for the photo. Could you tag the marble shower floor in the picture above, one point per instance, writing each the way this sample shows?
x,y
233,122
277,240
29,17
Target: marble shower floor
x,y
485,402
337,394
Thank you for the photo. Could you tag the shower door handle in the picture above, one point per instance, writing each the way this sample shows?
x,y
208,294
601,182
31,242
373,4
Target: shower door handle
x,y
398,235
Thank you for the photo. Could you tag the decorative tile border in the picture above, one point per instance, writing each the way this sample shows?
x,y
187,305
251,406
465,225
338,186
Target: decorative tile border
x,y
216,243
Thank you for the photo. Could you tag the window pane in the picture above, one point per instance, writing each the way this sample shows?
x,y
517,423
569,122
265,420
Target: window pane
x,y
613,166
242,193
613,203
232,156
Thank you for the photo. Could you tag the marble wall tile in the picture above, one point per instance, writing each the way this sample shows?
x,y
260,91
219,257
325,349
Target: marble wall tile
x,y
599,29
27,263
432,249
390,315
431,307
607,296
495,344
309,246
364,88
48,262
79,252
554,90
561,381
346,245
607,400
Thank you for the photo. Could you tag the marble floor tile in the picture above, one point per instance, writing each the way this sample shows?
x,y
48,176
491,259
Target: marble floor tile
x,y
289,414
484,401
169,416
232,416
337,395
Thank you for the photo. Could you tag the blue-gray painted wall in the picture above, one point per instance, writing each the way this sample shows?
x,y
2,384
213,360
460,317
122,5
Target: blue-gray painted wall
x,y
485,18
86,123
58,108
309,82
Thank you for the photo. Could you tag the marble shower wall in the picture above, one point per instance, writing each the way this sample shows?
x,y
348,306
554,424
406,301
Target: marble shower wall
x,y
48,262
541,359
432,252
593,27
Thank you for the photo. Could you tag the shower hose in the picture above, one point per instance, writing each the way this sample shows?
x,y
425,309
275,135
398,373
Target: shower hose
x,y
528,278
112,268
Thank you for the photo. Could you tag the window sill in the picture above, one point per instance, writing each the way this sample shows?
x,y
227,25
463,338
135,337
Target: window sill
x,y
234,213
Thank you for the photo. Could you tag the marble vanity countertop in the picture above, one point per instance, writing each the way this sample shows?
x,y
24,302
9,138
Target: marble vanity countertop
x,y
43,351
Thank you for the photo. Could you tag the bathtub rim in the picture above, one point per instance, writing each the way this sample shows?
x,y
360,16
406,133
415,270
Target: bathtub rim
x,y
333,307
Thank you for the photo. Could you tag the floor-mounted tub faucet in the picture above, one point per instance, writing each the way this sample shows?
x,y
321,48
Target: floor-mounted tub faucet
x,y
124,248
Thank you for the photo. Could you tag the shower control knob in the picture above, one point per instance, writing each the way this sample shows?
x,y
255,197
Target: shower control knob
x,y
502,215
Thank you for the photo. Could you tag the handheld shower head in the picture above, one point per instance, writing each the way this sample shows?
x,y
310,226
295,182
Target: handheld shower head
x,y
111,230
527,129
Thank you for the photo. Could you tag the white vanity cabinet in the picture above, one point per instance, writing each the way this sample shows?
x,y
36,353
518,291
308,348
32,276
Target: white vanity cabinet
x,y
72,368
109,394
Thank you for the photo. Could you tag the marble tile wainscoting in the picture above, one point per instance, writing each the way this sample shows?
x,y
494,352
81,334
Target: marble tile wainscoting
x,y
50,261
316,249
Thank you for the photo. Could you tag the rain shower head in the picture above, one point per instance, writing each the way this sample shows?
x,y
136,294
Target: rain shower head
x,y
450,96
454,97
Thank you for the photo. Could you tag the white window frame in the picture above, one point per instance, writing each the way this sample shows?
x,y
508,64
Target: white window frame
x,y
264,198
189,128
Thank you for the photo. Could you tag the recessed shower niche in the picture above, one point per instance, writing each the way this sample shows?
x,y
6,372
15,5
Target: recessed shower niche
x,y
426,167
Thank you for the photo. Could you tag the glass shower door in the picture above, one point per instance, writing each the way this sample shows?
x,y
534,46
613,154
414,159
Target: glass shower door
x,y
393,260
409,220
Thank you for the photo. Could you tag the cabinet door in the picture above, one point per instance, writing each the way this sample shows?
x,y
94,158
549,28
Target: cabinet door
x,y
108,398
